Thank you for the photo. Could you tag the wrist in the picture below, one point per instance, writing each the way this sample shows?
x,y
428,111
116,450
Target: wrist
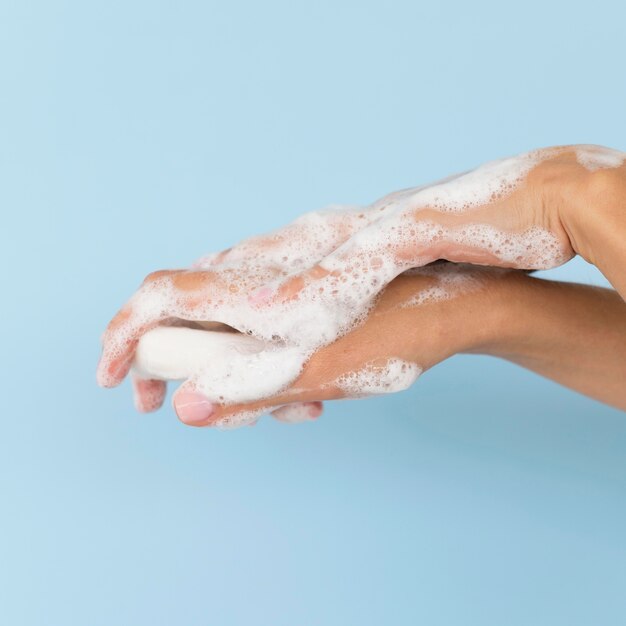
x,y
590,209
494,317
596,223
479,319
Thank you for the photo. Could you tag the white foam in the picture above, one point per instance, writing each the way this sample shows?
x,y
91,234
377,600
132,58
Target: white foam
x,y
237,420
226,367
462,192
450,281
598,157
374,379
333,305
383,240
295,413
307,239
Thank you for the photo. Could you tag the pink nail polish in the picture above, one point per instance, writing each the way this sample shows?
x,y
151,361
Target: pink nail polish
x,y
193,408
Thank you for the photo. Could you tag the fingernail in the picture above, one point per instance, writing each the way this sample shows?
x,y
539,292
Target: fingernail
x,y
193,408
261,295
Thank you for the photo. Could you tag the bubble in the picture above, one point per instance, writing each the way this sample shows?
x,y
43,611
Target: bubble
x,y
393,376
382,242
296,413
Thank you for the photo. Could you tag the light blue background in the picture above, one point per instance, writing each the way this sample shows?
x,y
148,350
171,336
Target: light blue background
x,y
139,135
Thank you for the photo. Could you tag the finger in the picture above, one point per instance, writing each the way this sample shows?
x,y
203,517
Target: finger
x,y
189,295
135,318
359,268
208,260
194,408
299,402
298,412
118,346
227,367
302,242
220,368
191,406
148,394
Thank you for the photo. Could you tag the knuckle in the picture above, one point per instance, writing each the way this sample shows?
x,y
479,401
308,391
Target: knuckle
x,y
153,277
122,316
311,218
223,255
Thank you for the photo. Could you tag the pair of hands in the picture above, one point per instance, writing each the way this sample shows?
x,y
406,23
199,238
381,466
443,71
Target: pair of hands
x,y
325,284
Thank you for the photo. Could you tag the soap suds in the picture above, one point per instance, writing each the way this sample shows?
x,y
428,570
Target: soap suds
x,y
381,241
228,367
243,418
395,375
307,239
460,193
598,157
296,413
451,281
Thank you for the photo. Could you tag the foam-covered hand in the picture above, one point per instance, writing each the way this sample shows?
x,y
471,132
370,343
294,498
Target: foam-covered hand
x,y
421,318
217,289
507,213
314,280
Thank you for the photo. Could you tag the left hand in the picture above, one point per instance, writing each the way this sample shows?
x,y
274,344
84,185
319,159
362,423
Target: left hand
x,y
420,319
216,288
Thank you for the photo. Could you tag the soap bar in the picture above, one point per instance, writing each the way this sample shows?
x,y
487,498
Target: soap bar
x,y
176,353
224,366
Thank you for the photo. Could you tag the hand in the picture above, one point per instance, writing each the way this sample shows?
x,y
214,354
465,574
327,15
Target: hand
x,y
518,212
228,366
217,289
573,334
530,211
420,319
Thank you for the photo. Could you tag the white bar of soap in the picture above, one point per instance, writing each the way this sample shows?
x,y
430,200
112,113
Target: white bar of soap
x,y
176,353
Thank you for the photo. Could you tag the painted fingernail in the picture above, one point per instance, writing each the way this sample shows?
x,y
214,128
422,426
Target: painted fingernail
x,y
261,295
193,408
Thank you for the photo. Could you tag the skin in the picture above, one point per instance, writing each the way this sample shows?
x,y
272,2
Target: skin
x,y
583,209
573,334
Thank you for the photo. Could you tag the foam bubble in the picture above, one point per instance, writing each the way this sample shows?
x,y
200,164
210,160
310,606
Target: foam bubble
x,y
373,379
378,249
295,413
598,157
362,249
237,420
229,367
462,192
450,282
306,240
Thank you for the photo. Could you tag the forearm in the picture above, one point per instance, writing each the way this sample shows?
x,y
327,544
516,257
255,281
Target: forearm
x,y
573,334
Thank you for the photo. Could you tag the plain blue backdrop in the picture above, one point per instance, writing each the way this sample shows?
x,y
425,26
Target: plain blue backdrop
x,y
138,135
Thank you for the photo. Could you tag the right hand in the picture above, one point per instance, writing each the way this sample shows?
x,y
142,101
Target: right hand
x,y
421,318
